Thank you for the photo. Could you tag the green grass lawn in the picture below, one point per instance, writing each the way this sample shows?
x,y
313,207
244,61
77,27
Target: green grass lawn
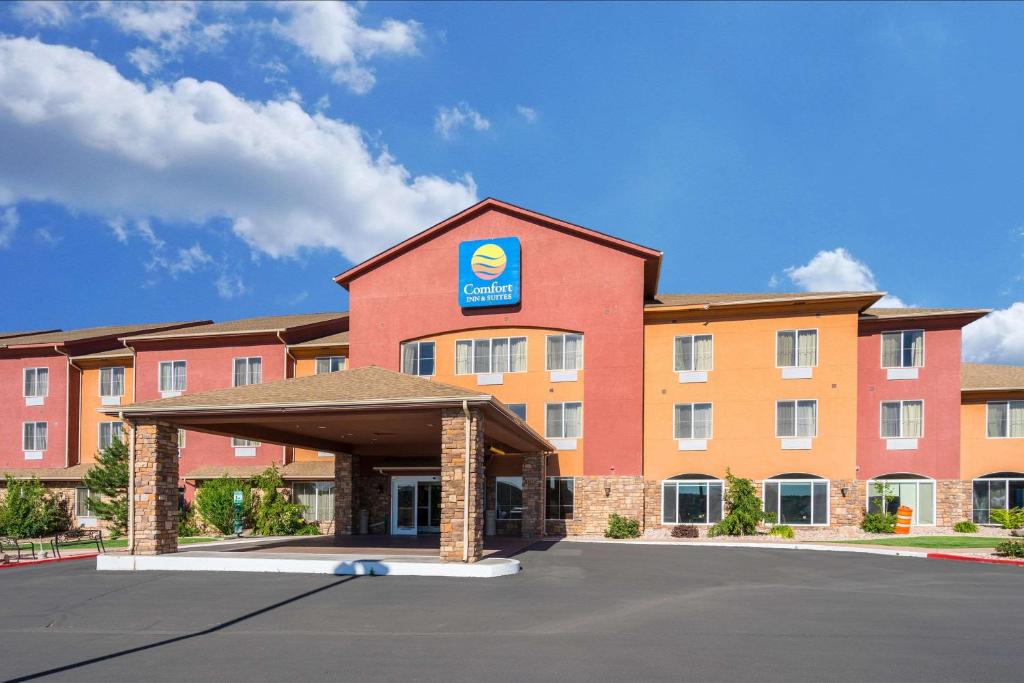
x,y
931,541
118,543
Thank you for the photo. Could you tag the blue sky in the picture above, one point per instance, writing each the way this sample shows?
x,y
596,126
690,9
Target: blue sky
x,y
176,161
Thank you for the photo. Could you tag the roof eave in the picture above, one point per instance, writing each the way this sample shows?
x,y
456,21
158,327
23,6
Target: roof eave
x,y
870,297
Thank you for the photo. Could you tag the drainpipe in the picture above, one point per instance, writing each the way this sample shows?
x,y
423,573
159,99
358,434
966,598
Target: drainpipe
x,y
465,499
287,355
67,404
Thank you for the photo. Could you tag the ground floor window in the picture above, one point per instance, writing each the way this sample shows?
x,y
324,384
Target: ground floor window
x,y
887,495
508,504
317,497
560,494
691,501
1001,491
797,501
83,502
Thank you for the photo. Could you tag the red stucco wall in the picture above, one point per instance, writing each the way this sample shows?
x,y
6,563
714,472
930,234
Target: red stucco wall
x,y
14,412
938,384
567,283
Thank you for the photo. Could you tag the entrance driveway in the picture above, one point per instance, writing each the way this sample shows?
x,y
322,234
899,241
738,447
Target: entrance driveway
x,y
577,612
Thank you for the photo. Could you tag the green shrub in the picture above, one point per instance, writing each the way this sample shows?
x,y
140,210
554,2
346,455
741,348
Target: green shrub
x,y
108,478
622,527
29,510
310,529
878,523
215,500
685,531
744,509
275,515
188,522
965,527
782,531
1008,519
1011,549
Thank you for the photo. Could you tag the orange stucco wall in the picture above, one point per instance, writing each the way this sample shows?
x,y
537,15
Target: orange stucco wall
x,y
980,455
88,444
304,365
743,387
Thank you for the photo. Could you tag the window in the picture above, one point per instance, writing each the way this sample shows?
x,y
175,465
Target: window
x,y
37,382
325,364
902,419
243,443
508,498
34,436
181,439
796,419
317,497
689,501
1002,491
111,381
519,409
83,502
484,356
903,349
172,375
887,495
796,348
559,497
109,433
693,353
693,421
1005,419
418,358
565,352
564,421
797,501
248,371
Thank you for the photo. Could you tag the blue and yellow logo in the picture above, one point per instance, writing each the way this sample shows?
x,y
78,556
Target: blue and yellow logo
x,y
488,261
489,272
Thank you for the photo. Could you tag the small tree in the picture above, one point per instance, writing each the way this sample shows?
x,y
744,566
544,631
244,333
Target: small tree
x,y
275,515
108,480
215,500
29,510
744,510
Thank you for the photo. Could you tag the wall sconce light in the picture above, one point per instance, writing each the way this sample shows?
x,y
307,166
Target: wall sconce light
x,y
607,490
843,491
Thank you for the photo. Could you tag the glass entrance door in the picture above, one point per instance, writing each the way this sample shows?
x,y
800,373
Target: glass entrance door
x,y
428,507
415,505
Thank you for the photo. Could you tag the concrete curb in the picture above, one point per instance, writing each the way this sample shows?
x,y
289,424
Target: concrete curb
x,y
48,560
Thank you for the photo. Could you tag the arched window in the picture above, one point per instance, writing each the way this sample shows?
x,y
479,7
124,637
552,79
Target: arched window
x,y
997,491
888,492
797,498
691,499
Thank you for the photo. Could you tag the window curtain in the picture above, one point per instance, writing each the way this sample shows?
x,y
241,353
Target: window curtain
x,y
785,419
463,357
891,349
555,344
1016,421
42,381
573,420
808,348
684,354
517,354
117,381
255,371
703,352
323,365
702,421
807,418
325,501
241,374
409,359
179,377
166,376
890,420
913,351
573,352
912,414
554,421
786,349
499,355
482,355
30,383
305,495
997,419
684,421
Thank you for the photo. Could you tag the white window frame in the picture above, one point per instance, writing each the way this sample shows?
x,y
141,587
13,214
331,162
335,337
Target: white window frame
x,y
238,442
160,374
99,433
525,411
111,369
330,359
796,347
35,436
89,513
711,425
777,511
248,370
796,419
563,335
490,360
418,343
707,506
562,404
320,493
881,349
870,483
901,435
1006,424
24,381
988,479
693,337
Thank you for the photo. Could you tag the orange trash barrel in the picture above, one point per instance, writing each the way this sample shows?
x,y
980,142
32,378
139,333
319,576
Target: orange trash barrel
x,y
903,516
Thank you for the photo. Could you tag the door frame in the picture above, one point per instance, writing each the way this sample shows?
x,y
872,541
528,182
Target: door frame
x,y
408,480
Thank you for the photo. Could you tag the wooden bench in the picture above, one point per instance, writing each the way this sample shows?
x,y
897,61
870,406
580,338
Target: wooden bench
x,y
13,545
78,536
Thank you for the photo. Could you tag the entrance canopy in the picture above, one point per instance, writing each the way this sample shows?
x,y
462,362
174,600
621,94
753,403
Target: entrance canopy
x,y
365,411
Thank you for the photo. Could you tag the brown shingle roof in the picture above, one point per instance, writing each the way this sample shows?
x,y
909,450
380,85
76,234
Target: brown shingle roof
x,y
908,312
363,385
747,298
87,333
323,469
267,323
73,473
121,352
25,333
339,339
981,376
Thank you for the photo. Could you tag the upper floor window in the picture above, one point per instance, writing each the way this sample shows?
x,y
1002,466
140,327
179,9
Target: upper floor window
x,y
37,382
111,381
692,421
109,433
325,364
903,349
693,353
1006,419
564,421
796,419
33,436
565,352
902,419
248,371
519,409
172,375
484,356
243,443
418,358
796,348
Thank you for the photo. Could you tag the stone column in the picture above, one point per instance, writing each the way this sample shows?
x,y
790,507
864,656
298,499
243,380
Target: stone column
x,y
453,498
155,498
534,490
343,502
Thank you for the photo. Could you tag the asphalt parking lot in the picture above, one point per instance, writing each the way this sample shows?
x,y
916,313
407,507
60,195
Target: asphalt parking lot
x,y
577,612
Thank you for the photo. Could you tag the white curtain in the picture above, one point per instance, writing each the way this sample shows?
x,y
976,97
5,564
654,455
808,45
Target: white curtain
x,y
555,347
997,413
517,354
573,420
785,419
241,373
499,355
166,376
912,419
1016,419
179,377
702,421
891,349
684,354
786,349
703,352
42,381
573,351
305,495
684,421
482,355
913,353
807,345
409,358
890,420
807,418
463,357
553,427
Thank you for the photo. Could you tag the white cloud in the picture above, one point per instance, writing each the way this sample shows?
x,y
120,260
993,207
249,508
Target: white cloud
x,y
182,261
330,33
46,236
838,271
529,114
996,338
8,226
230,285
79,134
166,24
450,119
145,60
42,12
